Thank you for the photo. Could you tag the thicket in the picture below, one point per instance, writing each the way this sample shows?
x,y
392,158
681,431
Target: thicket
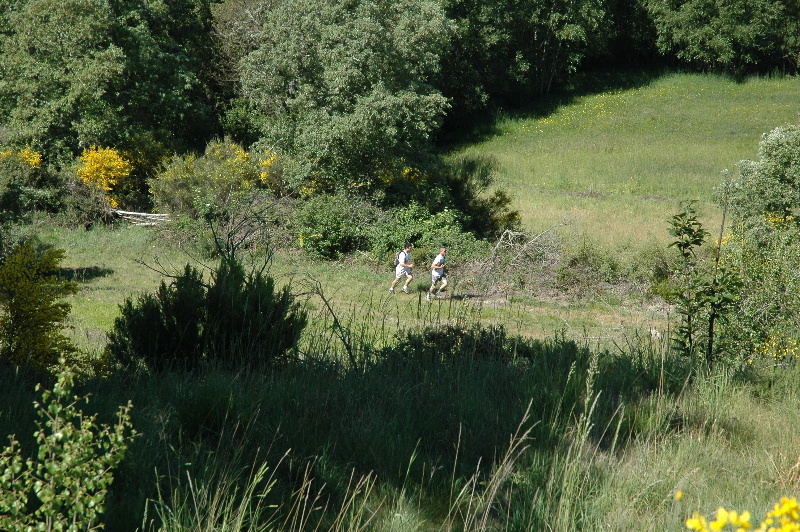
x,y
34,313
238,320
761,246
351,97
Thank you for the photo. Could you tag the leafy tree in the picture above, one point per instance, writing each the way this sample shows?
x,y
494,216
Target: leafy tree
x,y
122,73
728,35
33,313
506,51
343,88
166,91
57,71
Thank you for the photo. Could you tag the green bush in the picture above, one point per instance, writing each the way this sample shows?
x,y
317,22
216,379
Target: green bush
x,y
224,169
163,330
332,225
33,313
427,231
26,187
63,488
238,321
248,322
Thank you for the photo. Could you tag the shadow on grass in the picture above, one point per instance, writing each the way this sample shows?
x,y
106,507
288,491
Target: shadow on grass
x,y
484,125
84,275
439,405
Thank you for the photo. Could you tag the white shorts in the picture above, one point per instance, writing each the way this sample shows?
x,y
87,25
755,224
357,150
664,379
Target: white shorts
x,y
437,276
401,271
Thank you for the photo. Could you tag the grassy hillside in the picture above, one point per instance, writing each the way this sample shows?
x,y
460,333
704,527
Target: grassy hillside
x,y
618,424
615,165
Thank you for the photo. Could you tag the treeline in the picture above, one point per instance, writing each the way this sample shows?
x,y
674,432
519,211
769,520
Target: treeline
x,y
338,96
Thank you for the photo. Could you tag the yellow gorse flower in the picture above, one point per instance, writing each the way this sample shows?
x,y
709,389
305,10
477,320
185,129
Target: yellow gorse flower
x,y
784,517
30,157
103,168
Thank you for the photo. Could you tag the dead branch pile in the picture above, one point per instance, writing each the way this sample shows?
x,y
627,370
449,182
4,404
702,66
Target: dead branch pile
x,y
140,218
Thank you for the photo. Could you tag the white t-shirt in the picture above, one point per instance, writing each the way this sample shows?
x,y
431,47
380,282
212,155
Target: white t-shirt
x,y
403,258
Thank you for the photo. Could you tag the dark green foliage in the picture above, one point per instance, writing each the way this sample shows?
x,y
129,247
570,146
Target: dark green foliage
x,y
249,323
464,184
736,36
329,226
78,73
163,330
33,313
505,52
343,88
58,68
238,321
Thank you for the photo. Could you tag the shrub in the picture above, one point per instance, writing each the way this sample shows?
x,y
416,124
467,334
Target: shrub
x,y
164,329
103,169
329,226
33,315
248,322
64,487
26,186
224,169
238,321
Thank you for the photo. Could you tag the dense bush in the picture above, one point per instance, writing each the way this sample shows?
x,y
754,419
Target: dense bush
x,y
224,169
331,225
26,186
240,320
34,313
164,329
762,248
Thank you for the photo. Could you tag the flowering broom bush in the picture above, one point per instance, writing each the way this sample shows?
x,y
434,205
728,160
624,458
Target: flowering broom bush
x,y
103,169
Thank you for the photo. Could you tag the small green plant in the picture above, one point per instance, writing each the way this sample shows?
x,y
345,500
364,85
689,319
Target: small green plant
x,y
701,296
64,486
33,312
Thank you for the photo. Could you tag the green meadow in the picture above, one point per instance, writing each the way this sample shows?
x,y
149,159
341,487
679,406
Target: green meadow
x,y
575,416
615,165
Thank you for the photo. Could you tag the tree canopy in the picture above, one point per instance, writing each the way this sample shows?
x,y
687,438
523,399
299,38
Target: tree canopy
x,y
344,87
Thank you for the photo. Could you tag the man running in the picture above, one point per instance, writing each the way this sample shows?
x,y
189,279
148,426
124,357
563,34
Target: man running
x,y
403,268
438,273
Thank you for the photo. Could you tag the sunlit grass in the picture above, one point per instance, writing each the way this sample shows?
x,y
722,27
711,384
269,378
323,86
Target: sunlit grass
x,y
618,163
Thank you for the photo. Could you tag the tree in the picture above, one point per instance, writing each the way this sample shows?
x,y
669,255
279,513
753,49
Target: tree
x,y
56,74
505,51
33,313
729,35
128,74
343,87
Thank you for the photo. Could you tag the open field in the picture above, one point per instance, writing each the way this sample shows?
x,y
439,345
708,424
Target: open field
x,y
616,165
